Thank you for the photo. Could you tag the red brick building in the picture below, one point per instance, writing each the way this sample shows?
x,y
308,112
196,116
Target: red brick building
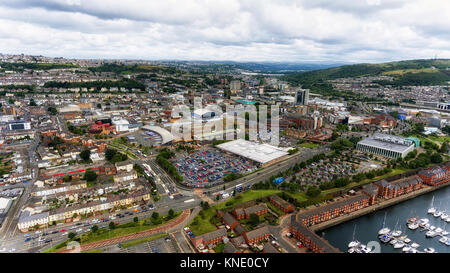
x,y
256,235
282,204
210,239
435,176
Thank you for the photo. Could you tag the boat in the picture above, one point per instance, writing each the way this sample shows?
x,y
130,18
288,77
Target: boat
x,y
402,238
354,243
351,250
432,210
423,222
432,228
413,250
399,245
396,233
447,220
444,233
447,243
407,241
444,216
429,250
415,245
413,226
364,248
437,214
438,230
431,234
443,240
384,230
412,220
385,238
393,242
407,248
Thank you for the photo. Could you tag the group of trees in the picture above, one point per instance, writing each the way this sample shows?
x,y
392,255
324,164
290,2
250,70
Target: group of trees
x,y
162,160
98,85
77,130
113,156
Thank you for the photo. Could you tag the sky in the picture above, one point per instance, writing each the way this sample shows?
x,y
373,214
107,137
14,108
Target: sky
x,y
247,30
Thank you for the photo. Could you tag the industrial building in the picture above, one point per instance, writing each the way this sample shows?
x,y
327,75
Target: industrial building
x,y
263,154
386,145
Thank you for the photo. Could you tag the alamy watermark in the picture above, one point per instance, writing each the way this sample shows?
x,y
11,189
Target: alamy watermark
x,y
212,122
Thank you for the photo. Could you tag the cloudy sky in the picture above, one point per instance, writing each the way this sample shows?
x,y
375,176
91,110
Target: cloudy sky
x,y
246,30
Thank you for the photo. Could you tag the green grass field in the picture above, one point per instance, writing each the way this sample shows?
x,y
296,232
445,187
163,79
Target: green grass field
x,y
143,240
309,145
202,223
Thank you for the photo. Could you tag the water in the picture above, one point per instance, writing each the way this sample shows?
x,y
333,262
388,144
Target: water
x,y
367,226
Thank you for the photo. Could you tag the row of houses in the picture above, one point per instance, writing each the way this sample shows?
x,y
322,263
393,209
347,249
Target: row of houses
x,y
389,190
435,176
280,203
27,219
328,212
244,213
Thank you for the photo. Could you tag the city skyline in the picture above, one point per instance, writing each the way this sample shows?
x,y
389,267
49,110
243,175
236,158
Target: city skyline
x,y
245,31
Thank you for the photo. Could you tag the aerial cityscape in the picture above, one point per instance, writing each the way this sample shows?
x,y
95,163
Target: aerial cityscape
x,y
148,150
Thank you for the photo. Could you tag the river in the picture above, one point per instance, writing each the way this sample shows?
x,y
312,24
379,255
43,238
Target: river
x,y
366,227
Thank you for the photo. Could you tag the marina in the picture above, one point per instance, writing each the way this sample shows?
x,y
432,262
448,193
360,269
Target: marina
x,y
418,225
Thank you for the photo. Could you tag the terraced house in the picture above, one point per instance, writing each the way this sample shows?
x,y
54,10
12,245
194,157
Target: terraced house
x,y
324,213
435,176
280,203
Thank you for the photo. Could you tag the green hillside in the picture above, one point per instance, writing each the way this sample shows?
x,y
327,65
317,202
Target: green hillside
x,y
412,72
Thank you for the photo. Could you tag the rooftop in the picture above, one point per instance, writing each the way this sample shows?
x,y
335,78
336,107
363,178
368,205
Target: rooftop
x,y
261,153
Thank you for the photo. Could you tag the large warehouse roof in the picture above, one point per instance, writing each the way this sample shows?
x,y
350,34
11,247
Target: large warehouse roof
x,y
165,135
261,153
388,142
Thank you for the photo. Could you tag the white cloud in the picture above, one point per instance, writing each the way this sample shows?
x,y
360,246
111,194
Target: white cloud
x,y
248,30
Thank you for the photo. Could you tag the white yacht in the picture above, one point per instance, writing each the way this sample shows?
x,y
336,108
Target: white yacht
x,y
431,210
432,227
431,234
444,216
413,226
437,214
415,245
384,231
396,233
438,230
443,240
447,243
399,245
406,248
444,233
351,250
447,220
407,241
429,250
423,222
353,244
402,238
393,242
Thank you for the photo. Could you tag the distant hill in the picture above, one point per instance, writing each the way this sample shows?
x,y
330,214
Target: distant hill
x,y
412,72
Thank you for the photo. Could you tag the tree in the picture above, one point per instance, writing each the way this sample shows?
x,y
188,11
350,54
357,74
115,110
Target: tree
x,y
85,155
32,102
72,235
171,213
254,219
135,219
436,158
94,228
155,215
112,225
90,176
109,154
444,147
312,191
